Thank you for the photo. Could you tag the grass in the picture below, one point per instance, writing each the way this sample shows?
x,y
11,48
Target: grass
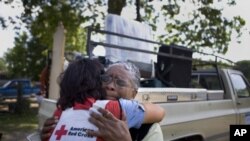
x,y
26,121
14,122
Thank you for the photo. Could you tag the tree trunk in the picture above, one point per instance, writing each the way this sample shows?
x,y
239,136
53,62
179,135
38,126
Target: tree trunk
x,y
138,15
22,104
115,6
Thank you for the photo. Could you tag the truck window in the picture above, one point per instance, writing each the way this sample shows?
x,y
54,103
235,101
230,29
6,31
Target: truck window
x,y
7,84
13,84
240,86
24,83
210,82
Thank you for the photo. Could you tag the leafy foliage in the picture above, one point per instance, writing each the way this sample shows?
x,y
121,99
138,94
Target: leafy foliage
x,y
3,67
202,26
44,26
26,58
2,22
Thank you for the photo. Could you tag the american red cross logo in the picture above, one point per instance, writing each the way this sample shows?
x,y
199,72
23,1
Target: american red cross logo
x,y
59,133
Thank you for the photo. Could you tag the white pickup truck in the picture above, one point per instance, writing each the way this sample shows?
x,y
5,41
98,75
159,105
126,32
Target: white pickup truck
x,y
203,111
202,114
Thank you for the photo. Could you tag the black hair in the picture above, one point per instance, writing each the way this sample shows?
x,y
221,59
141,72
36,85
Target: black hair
x,y
80,81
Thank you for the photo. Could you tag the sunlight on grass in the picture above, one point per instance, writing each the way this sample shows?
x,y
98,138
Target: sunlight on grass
x,y
14,122
26,125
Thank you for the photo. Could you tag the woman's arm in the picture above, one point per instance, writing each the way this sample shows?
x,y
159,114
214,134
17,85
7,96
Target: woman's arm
x,y
138,114
153,113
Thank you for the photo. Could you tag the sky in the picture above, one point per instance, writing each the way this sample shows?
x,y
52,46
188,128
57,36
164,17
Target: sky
x,y
241,51
236,52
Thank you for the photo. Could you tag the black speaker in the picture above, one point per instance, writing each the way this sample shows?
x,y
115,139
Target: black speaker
x,y
174,71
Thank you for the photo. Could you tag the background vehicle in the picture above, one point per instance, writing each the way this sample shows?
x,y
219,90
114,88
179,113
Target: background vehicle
x,y
9,89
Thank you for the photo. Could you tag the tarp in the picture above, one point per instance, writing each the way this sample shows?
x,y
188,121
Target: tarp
x,y
121,25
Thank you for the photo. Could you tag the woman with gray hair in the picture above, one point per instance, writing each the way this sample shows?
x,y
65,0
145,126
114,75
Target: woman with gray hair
x,y
126,77
121,81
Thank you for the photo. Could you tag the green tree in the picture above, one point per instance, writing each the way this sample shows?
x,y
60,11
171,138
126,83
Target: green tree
x,y
36,58
206,27
3,67
2,22
45,23
16,57
244,67
25,60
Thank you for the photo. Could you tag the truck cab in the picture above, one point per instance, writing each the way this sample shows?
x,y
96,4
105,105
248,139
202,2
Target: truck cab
x,y
9,89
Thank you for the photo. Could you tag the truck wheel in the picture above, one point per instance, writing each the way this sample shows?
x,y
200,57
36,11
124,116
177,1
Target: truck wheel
x,y
197,138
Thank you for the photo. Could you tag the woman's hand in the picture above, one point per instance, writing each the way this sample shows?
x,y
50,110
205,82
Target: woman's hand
x,y
48,128
110,128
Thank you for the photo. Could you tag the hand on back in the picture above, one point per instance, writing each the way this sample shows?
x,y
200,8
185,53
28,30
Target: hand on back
x,y
48,128
110,128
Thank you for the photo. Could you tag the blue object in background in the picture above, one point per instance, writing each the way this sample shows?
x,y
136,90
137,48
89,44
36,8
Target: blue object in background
x,y
9,89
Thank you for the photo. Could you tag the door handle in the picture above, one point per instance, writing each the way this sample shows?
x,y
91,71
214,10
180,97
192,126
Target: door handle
x,y
238,103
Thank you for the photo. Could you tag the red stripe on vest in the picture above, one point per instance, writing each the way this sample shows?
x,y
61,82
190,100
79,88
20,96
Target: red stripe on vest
x,y
114,108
